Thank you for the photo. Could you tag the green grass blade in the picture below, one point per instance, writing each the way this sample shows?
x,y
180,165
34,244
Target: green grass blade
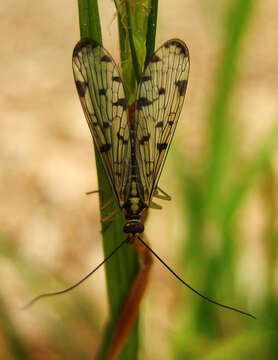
x,y
202,192
133,21
152,23
121,269
254,170
235,25
89,20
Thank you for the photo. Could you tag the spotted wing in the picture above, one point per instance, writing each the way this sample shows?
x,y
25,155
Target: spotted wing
x,y
160,98
102,97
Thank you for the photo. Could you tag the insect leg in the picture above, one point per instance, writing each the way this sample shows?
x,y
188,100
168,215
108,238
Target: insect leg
x,y
93,192
163,195
105,205
111,216
131,306
107,221
108,202
154,205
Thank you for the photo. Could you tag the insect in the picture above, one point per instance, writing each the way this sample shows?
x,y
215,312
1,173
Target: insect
x,y
133,142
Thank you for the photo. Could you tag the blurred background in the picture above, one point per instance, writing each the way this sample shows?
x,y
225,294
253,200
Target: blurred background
x,y
219,231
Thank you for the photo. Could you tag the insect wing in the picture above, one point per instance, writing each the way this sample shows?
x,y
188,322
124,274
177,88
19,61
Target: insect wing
x,y
102,97
159,102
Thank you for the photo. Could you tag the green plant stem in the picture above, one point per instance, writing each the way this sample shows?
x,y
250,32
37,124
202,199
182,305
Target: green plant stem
x,y
122,268
152,23
203,193
235,26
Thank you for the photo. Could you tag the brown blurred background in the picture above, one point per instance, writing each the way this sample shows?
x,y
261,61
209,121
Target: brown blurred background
x,y
51,230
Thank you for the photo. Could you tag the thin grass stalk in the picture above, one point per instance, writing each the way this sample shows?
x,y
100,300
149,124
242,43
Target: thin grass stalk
x,y
122,268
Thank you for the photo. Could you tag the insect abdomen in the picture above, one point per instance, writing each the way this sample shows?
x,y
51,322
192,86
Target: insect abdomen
x,y
134,206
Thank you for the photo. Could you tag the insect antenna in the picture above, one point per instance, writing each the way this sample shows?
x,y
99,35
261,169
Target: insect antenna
x,y
91,192
190,287
34,300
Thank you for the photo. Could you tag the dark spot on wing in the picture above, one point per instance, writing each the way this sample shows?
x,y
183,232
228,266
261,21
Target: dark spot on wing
x,y
170,122
77,49
159,124
116,78
82,44
106,59
102,91
121,102
181,85
79,46
121,137
144,139
161,146
143,101
183,49
155,59
146,78
161,91
105,148
105,124
181,46
81,87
